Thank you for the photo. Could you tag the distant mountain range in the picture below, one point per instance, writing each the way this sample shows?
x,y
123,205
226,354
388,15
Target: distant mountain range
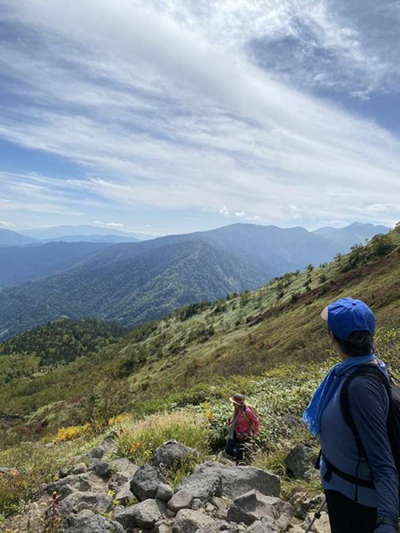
x,y
132,283
82,234
12,238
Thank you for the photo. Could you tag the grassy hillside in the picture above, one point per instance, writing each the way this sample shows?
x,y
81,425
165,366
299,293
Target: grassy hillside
x,y
270,344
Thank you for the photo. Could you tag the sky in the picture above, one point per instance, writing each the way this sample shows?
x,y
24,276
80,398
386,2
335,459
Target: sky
x,y
169,116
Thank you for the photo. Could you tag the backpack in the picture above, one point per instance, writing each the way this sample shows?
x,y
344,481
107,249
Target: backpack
x,y
393,422
254,424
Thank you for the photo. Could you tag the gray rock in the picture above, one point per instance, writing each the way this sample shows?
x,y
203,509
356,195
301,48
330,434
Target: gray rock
x,y
73,470
101,469
215,479
196,504
180,500
88,522
238,480
189,521
163,527
300,461
78,482
173,453
145,482
105,447
204,483
164,492
254,506
266,525
122,470
124,495
77,501
221,509
143,515
209,508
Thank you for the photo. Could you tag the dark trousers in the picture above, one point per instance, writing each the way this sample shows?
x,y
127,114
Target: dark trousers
x,y
348,516
236,448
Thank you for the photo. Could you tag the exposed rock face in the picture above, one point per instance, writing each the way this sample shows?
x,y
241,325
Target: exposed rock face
x,y
143,515
300,461
254,506
88,522
173,453
145,482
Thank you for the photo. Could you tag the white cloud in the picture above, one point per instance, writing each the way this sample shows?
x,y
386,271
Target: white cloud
x,y
162,107
117,225
7,225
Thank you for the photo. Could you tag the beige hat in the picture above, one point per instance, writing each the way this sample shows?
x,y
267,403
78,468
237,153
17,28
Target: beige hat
x,y
238,399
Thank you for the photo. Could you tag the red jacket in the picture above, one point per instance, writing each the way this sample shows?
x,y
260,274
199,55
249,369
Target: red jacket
x,y
247,423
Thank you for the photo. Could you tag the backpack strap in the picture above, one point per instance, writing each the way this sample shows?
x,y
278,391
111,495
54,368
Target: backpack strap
x,y
363,370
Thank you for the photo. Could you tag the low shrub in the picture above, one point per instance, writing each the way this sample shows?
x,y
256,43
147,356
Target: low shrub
x,y
140,441
71,432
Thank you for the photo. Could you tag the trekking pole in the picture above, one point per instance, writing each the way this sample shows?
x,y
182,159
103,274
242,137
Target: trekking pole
x,y
317,516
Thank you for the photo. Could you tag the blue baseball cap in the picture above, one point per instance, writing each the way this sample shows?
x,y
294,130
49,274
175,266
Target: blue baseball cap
x,y
347,315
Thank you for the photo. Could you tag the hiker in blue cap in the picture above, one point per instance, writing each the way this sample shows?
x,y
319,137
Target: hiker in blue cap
x,y
349,414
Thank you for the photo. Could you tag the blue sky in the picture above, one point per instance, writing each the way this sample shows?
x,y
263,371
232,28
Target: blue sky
x,y
165,116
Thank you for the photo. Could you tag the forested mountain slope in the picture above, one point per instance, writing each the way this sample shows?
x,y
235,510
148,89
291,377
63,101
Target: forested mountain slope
x,y
19,264
136,282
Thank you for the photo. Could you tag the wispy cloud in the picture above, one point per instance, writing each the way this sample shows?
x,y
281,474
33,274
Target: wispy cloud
x,y
177,105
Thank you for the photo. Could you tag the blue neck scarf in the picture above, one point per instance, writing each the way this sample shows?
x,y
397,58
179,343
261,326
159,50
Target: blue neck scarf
x,y
326,390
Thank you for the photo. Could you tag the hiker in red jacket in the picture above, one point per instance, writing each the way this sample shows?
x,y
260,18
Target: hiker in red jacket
x,y
243,425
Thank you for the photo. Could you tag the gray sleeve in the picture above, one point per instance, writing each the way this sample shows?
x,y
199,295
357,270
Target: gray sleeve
x,y
369,406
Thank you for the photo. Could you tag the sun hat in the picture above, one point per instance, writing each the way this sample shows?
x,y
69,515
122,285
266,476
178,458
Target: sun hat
x,y
346,315
237,399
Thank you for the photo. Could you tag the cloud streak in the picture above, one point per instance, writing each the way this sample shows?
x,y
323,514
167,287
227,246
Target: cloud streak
x,y
165,106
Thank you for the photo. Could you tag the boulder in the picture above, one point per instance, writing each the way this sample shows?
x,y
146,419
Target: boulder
x,y
122,470
204,483
180,500
254,506
124,494
266,525
221,509
172,453
145,482
300,461
164,492
88,522
238,480
215,479
143,515
73,470
106,446
163,528
189,521
77,501
101,468
78,482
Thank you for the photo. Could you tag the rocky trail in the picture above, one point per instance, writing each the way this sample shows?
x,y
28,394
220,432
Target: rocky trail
x,y
99,493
